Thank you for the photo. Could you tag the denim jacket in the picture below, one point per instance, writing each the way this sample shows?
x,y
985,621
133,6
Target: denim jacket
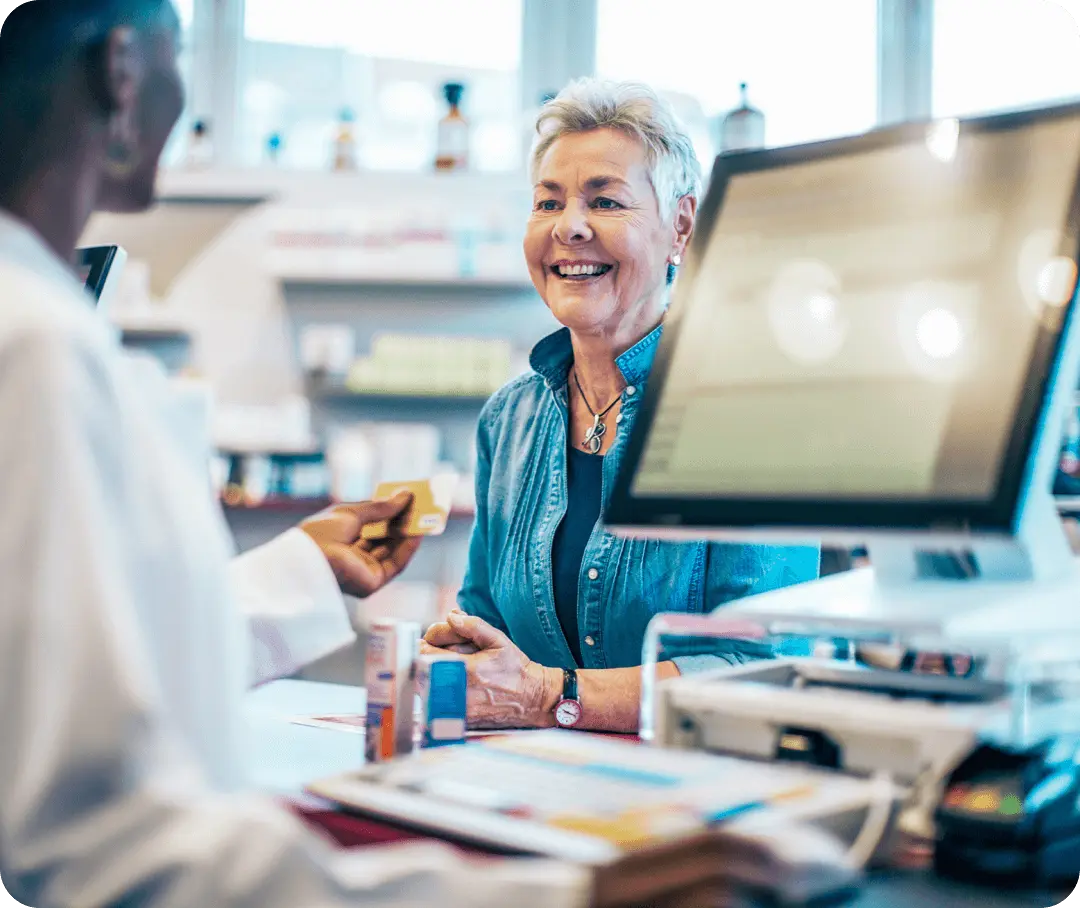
x,y
521,500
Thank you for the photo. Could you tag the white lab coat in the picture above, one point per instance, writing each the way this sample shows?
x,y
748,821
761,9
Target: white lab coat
x,y
124,651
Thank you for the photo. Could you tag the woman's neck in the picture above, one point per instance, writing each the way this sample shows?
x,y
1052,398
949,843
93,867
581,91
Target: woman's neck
x,y
595,362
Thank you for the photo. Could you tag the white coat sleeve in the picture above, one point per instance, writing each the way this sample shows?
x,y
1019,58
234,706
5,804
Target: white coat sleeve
x,y
295,611
101,800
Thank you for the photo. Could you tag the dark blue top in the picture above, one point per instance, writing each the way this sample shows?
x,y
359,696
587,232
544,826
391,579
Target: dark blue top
x,y
584,485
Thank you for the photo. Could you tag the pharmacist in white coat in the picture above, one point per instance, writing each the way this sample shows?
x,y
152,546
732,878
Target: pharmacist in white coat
x,y
123,654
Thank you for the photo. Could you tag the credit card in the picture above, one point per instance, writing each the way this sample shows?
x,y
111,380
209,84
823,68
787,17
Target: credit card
x,y
428,514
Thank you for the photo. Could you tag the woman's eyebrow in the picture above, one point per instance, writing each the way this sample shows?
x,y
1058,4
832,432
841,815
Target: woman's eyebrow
x,y
593,184
604,182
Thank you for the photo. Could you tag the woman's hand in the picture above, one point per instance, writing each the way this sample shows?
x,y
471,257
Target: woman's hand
x,y
443,636
506,688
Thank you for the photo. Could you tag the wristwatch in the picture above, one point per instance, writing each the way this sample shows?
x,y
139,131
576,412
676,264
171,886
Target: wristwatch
x,y
568,709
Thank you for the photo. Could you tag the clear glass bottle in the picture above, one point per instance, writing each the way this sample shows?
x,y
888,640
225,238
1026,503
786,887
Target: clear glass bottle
x,y
345,159
743,128
452,150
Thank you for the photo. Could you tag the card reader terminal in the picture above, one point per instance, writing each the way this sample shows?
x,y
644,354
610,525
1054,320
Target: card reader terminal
x,y
999,806
1012,815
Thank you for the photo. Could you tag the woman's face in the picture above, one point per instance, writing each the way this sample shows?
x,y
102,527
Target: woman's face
x,y
157,102
596,246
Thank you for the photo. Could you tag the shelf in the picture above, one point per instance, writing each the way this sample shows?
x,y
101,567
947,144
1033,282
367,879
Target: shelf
x,y
310,506
304,506
236,451
344,395
400,282
154,335
258,185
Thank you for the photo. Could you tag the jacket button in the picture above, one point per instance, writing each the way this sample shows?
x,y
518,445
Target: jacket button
x,y
589,641
618,419
593,573
631,391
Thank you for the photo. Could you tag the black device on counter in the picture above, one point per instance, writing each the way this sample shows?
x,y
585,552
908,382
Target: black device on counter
x,y
1012,816
95,266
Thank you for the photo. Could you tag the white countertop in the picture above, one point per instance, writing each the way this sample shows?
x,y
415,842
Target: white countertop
x,y
283,757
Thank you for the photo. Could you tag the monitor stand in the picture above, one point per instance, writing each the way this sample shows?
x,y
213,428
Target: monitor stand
x,y
996,594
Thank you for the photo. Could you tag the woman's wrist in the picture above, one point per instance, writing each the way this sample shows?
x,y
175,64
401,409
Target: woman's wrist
x,y
548,686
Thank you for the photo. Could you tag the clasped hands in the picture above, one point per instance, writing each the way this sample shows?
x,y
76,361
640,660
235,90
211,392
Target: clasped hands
x,y
506,688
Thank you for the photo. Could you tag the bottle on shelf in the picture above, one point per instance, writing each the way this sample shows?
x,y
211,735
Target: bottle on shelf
x,y
743,128
345,143
274,143
452,150
200,151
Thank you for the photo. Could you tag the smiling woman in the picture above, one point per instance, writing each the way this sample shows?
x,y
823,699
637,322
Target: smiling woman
x,y
548,590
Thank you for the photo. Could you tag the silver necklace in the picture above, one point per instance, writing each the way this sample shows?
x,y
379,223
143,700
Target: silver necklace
x,y
594,438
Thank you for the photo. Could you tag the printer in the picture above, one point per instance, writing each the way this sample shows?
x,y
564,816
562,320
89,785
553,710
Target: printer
x,y
873,342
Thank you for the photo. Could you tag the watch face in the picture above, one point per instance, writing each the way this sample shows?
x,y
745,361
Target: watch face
x,y
568,713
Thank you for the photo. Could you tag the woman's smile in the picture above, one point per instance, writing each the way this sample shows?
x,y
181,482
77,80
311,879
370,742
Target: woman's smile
x,y
580,271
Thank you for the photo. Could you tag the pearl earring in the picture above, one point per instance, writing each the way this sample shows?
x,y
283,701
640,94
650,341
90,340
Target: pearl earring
x,y
676,260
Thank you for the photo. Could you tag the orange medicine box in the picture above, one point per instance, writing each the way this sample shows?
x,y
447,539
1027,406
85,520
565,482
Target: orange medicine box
x,y
391,648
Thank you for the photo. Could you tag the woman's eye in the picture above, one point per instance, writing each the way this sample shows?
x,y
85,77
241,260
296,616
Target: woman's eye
x,y
546,205
606,203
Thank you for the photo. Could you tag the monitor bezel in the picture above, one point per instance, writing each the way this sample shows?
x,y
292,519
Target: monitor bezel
x,y
999,514
100,260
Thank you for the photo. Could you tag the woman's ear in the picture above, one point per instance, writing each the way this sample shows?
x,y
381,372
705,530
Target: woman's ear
x,y
685,215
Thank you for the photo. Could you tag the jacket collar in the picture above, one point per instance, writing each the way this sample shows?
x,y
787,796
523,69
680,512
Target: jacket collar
x,y
552,357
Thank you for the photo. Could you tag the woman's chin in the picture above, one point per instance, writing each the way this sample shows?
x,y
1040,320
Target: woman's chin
x,y
580,309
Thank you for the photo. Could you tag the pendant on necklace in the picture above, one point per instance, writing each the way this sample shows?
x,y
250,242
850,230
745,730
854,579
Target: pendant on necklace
x,y
594,437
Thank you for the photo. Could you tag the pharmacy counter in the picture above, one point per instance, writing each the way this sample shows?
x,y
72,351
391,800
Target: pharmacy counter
x,y
285,756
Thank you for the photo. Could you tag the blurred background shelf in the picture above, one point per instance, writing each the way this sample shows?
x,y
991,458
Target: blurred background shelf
x,y
492,287
267,183
170,344
297,506
307,506
342,394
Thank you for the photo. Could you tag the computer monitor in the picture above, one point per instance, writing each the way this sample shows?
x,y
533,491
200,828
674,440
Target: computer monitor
x,y
100,268
869,337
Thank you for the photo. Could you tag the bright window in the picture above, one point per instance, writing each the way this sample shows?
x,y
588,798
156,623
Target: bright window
x,y
811,68
304,63
997,54
174,151
186,10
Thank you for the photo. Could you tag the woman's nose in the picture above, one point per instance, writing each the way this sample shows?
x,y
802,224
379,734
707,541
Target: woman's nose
x,y
572,226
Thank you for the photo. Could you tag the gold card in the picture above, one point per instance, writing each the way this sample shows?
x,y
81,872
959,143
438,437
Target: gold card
x,y
428,514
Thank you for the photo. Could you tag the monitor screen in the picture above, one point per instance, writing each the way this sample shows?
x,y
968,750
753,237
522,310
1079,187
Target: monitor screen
x,y
865,322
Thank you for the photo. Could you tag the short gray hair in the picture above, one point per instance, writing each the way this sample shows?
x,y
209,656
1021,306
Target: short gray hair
x,y
637,110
